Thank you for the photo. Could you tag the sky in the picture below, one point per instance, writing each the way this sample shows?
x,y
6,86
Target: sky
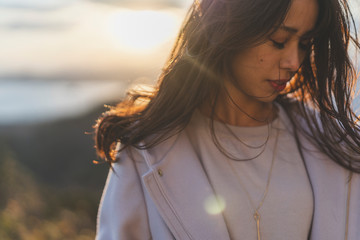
x,y
88,38
78,38
59,58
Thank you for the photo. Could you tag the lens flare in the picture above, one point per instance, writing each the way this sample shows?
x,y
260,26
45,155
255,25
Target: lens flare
x,y
215,205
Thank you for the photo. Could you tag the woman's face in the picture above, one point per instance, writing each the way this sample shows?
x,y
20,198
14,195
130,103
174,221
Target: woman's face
x,y
262,72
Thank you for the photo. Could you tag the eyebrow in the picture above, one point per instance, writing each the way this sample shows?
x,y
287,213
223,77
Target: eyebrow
x,y
289,29
294,30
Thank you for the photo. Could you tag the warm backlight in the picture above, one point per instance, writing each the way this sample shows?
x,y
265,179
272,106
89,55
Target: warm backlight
x,y
142,30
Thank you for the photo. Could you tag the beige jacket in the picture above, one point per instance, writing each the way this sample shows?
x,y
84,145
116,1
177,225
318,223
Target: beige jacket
x,y
161,196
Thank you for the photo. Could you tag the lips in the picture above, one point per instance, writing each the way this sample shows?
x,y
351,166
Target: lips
x,y
279,85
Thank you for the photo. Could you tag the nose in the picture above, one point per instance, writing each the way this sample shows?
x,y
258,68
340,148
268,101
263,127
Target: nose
x,y
291,59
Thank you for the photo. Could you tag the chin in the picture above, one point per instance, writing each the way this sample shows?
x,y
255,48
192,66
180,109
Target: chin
x,y
270,98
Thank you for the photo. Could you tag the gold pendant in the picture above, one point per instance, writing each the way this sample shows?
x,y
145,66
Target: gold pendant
x,y
257,219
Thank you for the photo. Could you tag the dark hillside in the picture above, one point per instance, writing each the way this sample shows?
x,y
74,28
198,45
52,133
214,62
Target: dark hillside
x,y
49,186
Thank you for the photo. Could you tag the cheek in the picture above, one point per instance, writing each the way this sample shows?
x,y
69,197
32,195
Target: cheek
x,y
266,59
267,62
256,60
259,59
250,59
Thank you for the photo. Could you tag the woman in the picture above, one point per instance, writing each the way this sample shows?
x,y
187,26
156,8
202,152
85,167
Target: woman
x,y
248,135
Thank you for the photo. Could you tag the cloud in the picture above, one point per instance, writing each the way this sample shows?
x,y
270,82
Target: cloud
x,y
144,3
38,5
42,26
51,5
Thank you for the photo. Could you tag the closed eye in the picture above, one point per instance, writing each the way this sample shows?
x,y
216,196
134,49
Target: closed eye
x,y
303,45
278,45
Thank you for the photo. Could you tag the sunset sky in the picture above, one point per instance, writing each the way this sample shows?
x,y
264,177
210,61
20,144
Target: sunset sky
x,y
79,37
76,38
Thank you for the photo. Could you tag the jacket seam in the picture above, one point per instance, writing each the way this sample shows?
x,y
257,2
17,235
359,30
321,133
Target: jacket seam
x,y
159,185
173,226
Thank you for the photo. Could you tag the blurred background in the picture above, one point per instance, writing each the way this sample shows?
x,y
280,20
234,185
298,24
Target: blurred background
x,y
61,61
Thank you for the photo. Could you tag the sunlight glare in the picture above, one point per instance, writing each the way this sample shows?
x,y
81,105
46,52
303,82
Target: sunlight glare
x,y
215,205
141,30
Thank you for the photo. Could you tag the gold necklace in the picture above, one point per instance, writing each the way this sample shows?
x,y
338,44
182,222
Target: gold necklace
x,y
256,209
263,145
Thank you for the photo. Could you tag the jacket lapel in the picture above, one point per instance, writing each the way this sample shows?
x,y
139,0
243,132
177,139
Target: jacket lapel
x,y
179,188
330,186
354,216
329,182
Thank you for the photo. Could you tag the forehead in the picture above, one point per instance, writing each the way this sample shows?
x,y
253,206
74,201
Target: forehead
x,y
301,17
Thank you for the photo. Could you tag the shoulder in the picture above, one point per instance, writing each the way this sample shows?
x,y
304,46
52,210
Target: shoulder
x,y
175,143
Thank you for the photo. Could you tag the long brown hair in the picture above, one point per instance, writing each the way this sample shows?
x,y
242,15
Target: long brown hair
x,y
213,32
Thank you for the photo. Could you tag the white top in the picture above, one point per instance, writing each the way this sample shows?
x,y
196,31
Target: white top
x,y
288,207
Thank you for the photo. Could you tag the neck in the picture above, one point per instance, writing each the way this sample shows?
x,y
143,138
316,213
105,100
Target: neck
x,y
232,110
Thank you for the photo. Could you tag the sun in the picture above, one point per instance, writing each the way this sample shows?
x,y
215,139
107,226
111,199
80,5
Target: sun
x,y
141,30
